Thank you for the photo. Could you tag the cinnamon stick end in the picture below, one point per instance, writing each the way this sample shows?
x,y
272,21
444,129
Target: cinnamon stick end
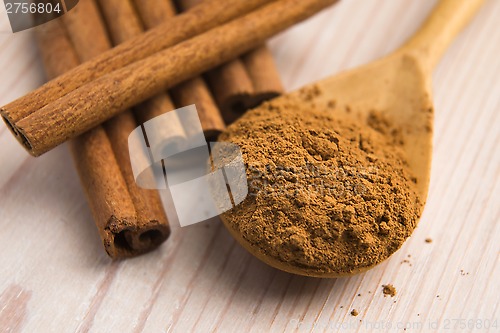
x,y
123,239
235,106
258,98
211,135
18,133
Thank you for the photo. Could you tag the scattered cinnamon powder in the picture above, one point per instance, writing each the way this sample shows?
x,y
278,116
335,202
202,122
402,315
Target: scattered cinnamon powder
x,y
406,262
389,290
428,240
325,196
354,312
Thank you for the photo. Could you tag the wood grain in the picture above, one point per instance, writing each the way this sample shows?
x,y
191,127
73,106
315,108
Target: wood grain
x,y
201,281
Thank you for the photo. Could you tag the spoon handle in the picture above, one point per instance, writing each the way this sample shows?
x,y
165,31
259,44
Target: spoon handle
x,y
438,31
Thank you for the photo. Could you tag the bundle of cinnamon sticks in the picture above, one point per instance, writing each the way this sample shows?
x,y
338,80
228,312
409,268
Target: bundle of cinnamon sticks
x,y
131,220
214,32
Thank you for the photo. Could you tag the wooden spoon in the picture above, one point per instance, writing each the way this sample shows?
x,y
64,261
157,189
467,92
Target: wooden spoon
x,y
399,85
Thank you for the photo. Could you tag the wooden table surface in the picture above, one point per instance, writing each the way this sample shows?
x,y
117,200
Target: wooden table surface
x,y
55,276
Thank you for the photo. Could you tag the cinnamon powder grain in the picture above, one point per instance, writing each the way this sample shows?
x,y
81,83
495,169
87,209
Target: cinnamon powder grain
x,y
389,289
325,196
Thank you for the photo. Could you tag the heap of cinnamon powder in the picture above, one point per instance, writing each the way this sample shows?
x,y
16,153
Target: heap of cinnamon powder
x,y
325,196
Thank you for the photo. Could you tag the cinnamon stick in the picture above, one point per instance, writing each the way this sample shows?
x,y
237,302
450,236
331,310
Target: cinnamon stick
x,y
92,153
245,83
149,227
265,77
153,13
153,16
231,86
242,83
195,91
88,33
105,97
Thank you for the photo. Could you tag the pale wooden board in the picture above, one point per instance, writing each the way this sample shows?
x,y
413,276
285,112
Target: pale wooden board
x,y
55,277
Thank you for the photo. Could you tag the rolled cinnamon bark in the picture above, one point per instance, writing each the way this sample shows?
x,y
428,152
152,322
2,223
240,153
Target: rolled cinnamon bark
x,y
195,91
109,200
242,83
153,16
262,70
231,86
150,227
105,188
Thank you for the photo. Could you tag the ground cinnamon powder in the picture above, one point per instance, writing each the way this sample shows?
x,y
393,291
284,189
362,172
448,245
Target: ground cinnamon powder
x,y
389,289
325,196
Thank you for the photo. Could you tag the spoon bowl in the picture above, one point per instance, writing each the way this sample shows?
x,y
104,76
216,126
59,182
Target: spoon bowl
x,y
398,87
